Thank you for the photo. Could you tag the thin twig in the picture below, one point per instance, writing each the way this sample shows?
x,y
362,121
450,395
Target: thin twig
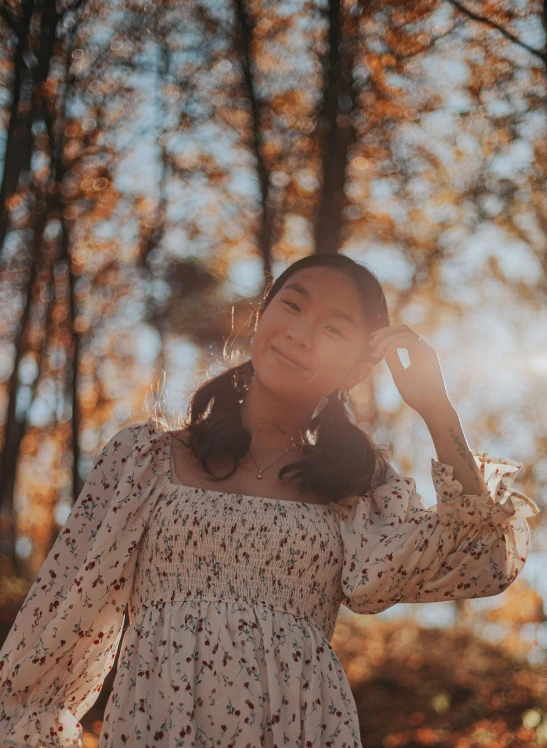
x,y
508,35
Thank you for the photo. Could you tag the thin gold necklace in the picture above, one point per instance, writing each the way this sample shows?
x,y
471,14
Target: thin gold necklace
x,y
262,470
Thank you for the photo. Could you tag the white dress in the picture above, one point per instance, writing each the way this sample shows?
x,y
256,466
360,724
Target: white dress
x,y
232,600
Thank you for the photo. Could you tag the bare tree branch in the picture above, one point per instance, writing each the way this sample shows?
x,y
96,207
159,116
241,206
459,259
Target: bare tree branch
x,y
507,34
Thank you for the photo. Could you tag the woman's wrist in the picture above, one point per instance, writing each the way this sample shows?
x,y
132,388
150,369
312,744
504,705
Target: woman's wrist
x,y
452,449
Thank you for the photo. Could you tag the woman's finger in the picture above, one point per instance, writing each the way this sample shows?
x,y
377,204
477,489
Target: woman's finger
x,y
395,366
384,333
390,351
399,341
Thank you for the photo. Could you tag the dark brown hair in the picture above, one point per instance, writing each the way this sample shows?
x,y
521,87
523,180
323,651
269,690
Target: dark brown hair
x,y
340,459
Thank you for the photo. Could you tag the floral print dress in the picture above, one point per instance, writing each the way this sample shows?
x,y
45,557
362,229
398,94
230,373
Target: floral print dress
x,y
232,600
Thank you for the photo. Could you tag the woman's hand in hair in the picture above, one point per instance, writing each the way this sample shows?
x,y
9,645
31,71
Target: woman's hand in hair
x,y
421,385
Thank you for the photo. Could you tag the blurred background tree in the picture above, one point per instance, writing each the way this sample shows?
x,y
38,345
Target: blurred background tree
x,y
162,162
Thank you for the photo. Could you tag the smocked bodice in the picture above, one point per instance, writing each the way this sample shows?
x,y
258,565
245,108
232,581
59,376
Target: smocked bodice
x,y
218,546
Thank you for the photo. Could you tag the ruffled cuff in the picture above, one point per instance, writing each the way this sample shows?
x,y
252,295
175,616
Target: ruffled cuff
x,y
496,506
41,727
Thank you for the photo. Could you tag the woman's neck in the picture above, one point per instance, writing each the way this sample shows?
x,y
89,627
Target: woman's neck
x,y
272,423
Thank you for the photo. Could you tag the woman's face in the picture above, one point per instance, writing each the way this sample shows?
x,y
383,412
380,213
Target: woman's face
x,y
317,320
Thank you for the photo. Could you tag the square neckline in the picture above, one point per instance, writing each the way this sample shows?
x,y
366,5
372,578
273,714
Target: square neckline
x,y
172,470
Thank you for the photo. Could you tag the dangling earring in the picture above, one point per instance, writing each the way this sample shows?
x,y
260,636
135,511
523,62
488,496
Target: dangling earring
x,y
322,405
343,396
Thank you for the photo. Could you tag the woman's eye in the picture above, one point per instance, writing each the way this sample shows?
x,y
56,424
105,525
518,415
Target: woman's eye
x,y
292,304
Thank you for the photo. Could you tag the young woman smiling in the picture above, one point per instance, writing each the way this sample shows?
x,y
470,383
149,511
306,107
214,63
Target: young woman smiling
x,y
233,591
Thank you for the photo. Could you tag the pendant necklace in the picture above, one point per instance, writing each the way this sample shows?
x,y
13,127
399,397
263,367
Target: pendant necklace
x,y
262,470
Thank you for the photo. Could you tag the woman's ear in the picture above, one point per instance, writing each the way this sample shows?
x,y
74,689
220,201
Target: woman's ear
x,y
360,373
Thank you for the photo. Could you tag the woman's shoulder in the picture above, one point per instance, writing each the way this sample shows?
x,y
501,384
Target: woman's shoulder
x,y
137,436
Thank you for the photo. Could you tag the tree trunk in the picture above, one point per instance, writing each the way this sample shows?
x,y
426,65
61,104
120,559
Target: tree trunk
x,y
243,42
18,136
339,135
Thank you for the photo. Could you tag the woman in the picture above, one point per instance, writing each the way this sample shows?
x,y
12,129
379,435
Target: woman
x,y
234,543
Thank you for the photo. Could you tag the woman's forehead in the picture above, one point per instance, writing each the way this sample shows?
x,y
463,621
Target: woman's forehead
x,y
320,276
341,290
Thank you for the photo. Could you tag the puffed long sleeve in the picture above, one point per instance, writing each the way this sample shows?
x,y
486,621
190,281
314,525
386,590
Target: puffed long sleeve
x,y
465,546
66,634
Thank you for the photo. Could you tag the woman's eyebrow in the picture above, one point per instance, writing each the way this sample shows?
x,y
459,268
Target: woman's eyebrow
x,y
334,312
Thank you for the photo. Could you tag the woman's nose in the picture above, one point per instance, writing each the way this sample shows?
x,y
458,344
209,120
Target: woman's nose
x,y
300,339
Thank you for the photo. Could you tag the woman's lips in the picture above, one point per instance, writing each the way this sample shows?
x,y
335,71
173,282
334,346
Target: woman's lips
x,y
285,361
